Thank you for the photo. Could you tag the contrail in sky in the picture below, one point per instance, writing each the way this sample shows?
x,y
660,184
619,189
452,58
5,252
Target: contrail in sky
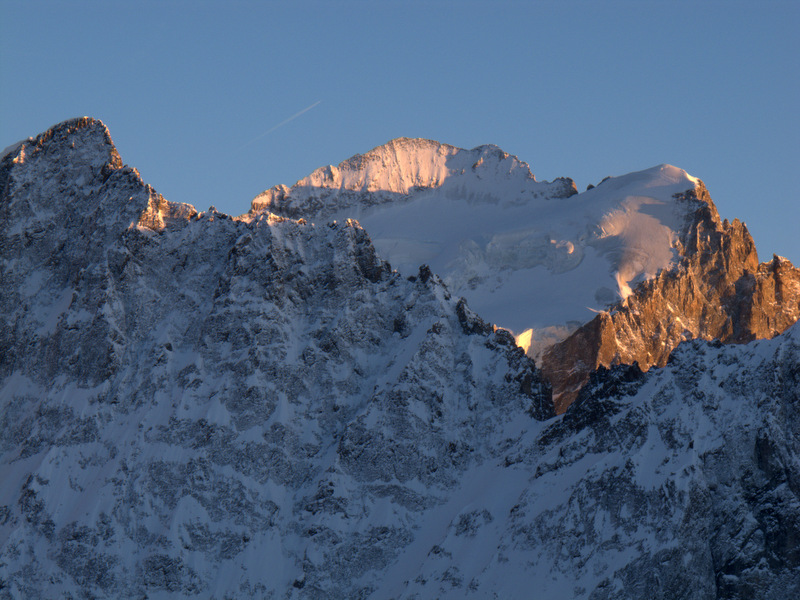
x,y
284,122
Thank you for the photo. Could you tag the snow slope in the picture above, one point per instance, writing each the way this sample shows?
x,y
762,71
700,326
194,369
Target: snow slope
x,y
526,255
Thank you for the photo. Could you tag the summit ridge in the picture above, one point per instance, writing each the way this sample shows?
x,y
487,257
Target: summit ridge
x,y
404,167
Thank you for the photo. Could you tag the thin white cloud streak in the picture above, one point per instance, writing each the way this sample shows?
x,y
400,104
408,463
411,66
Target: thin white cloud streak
x,y
284,122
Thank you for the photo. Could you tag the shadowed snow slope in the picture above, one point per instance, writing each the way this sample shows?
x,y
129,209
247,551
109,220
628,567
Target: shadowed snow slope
x,y
683,482
195,404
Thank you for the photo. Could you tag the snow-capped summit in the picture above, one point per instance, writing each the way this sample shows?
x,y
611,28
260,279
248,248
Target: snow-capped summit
x,y
404,164
528,255
620,273
404,167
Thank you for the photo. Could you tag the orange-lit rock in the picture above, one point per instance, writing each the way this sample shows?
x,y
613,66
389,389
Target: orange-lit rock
x,y
718,291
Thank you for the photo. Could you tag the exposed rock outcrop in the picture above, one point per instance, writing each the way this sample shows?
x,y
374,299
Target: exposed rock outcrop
x,y
718,291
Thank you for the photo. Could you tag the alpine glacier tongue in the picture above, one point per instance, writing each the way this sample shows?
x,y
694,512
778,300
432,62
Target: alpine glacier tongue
x,y
527,255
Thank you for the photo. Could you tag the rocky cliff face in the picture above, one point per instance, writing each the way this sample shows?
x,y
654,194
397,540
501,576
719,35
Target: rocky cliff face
x,y
681,482
185,394
717,291
193,405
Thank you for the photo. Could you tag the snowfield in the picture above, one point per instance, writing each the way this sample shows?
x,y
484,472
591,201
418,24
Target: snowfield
x,y
533,257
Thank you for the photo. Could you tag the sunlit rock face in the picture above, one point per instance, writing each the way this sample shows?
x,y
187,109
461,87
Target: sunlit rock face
x,y
194,405
717,291
404,167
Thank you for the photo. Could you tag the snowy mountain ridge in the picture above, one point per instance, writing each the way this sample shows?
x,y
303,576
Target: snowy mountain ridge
x,y
404,166
150,350
526,255
194,405
568,274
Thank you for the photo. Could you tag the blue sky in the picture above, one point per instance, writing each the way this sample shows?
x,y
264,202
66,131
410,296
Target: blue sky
x,y
197,94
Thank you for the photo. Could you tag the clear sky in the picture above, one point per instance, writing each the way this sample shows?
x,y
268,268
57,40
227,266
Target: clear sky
x,y
199,96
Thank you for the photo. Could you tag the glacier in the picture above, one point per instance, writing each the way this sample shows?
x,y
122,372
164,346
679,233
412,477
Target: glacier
x,y
534,257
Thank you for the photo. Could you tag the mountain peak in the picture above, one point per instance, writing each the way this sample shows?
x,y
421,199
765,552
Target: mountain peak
x,y
411,144
185,398
420,147
406,166
86,136
658,176
79,154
